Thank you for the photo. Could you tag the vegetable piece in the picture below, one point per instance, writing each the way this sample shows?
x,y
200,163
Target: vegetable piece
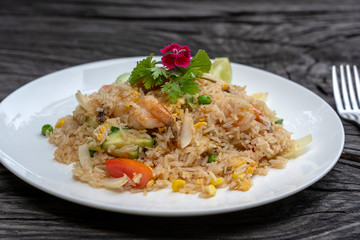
x,y
177,185
114,129
190,100
91,122
60,123
115,182
217,182
92,152
117,167
106,87
131,137
186,134
261,96
212,158
123,77
84,155
198,125
128,151
221,68
204,99
46,128
299,144
279,121
83,101
210,190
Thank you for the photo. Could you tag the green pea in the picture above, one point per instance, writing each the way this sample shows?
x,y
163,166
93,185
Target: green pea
x,y
46,127
204,99
212,158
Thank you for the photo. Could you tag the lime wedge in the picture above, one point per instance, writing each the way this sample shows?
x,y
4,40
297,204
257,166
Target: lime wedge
x,y
123,77
221,69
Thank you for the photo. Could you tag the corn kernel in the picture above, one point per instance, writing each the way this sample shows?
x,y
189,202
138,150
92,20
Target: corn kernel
x,y
177,185
210,190
60,123
237,162
178,111
225,86
254,164
217,182
236,175
101,132
199,124
99,137
245,186
150,183
250,170
135,96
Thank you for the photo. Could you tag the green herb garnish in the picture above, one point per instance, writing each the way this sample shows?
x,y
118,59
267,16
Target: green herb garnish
x,y
177,81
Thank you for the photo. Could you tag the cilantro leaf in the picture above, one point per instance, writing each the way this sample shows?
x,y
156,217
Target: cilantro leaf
x,y
148,81
174,91
142,69
200,61
190,100
158,72
189,86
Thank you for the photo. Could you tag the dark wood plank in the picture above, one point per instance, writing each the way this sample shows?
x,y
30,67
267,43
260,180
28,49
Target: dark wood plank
x,y
299,40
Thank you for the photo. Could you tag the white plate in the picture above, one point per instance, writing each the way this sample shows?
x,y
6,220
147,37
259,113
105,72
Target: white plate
x,y
26,153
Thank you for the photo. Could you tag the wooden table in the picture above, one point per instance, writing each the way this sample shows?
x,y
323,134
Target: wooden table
x,y
299,40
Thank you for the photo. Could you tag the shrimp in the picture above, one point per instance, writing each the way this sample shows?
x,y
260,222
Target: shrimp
x,y
149,113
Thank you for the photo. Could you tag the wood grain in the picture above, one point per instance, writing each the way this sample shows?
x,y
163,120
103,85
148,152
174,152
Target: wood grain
x,y
299,40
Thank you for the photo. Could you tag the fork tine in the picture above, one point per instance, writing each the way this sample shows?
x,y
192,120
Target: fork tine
x,y
351,89
336,90
344,89
357,82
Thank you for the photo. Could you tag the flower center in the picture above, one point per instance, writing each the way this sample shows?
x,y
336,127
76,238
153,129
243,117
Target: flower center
x,y
176,51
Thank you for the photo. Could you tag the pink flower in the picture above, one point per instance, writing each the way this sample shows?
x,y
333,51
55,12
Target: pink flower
x,y
178,56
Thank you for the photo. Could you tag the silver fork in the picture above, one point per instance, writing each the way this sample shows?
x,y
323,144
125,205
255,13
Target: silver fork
x,y
347,98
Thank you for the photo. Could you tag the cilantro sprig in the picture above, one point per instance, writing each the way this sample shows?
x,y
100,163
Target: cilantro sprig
x,y
176,82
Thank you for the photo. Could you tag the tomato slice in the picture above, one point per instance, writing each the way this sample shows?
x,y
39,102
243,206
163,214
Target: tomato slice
x,y
117,167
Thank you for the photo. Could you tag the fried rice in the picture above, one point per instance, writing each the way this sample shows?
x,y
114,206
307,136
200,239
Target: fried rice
x,y
240,129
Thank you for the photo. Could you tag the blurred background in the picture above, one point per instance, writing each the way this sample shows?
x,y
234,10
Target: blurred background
x,y
296,39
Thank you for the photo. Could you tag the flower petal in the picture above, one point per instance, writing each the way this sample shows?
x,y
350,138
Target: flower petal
x,y
166,49
169,48
168,61
182,61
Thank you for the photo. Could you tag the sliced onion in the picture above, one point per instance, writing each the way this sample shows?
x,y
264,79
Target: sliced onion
x,y
83,101
115,182
84,155
186,131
